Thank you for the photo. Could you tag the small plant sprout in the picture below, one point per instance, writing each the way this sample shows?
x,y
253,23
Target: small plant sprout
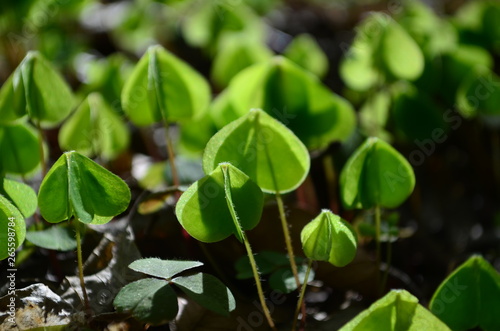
x,y
376,176
78,188
398,310
163,88
269,153
223,203
326,238
153,300
469,297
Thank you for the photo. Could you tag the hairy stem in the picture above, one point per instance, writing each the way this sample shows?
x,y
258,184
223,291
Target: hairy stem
x,y
256,276
171,156
80,265
377,242
302,293
40,148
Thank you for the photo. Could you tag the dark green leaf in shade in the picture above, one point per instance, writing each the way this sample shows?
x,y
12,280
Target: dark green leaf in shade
x,y
207,291
152,301
162,268
263,148
267,262
469,297
77,186
59,237
283,280
11,226
20,150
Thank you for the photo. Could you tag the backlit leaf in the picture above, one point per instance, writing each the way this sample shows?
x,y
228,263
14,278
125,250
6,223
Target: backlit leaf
x,y
11,226
305,51
19,194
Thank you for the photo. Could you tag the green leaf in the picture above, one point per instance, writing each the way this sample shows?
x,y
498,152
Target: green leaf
x,y
235,54
94,129
396,311
400,54
61,238
305,51
374,114
329,238
37,90
267,261
162,268
283,279
376,174
164,87
207,291
208,213
20,150
11,226
296,98
21,195
77,186
469,297
152,301
263,148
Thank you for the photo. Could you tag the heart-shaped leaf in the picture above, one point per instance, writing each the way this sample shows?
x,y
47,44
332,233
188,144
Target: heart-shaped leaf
x,y
162,268
224,202
61,238
37,90
20,150
305,51
152,301
77,186
296,98
263,148
163,87
376,174
94,129
396,311
12,229
329,238
469,297
207,291
20,194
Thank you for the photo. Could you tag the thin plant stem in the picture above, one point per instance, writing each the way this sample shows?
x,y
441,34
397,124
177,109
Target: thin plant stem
x,y
40,148
388,259
288,238
302,294
256,276
377,242
171,157
80,265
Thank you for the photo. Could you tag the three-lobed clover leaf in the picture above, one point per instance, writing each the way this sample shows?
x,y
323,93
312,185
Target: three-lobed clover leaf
x,y
207,209
163,87
398,310
376,174
94,129
469,297
12,228
263,148
154,301
329,238
77,186
37,90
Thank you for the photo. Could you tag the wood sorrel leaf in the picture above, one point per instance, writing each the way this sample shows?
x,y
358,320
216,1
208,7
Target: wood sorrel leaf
x,y
149,300
22,196
37,90
305,51
207,209
469,297
163,87
77,186
376,174
296,98
263,148
396,311
329,238
94,129
208,292
162,268
20,150
12,229
61,238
